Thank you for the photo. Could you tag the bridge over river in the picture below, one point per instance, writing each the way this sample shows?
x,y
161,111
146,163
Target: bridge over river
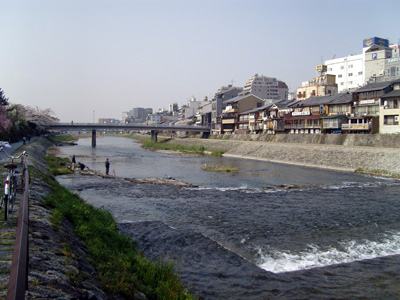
x,y
153,128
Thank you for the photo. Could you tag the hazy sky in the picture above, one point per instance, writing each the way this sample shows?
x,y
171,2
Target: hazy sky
x,y
108,56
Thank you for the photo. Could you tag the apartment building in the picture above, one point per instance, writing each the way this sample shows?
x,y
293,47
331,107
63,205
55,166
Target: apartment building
x,y
222,94
267,88
322,85
349,72
378,61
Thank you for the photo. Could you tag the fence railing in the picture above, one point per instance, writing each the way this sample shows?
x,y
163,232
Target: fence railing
x,y
18,282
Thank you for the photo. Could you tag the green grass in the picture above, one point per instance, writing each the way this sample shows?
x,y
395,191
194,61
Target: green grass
x,y
165,146
120,267
219,169
66,138
378,173
58,165
217,153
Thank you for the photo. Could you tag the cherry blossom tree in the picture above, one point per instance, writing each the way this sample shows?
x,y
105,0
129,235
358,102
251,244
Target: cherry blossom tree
x,y
40,117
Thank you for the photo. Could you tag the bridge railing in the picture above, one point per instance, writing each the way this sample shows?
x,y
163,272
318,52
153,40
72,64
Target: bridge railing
x,y
139,126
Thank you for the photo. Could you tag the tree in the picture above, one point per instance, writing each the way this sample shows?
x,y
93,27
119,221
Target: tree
x,y
40,117
3,99
5,123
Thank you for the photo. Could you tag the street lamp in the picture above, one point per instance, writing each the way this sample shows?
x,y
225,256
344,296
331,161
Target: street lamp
x,y
93,117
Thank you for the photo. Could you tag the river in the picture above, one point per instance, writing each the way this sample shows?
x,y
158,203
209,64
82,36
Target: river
x,y
237,235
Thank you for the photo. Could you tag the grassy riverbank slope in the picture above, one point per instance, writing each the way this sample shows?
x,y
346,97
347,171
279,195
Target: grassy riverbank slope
x,y
78,252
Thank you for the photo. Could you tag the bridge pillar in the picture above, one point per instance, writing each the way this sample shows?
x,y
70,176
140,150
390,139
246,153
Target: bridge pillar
x,y
154,134
94,138
205,135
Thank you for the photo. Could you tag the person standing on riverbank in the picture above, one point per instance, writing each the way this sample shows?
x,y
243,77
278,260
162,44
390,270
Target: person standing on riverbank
x,y
73,162
107,166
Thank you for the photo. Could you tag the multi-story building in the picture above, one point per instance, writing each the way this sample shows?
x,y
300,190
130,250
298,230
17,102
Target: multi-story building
x,y
190,110
232,108
389,110
224,93
349,71
323,85
378,61
375,57
139,114
203,116
267,88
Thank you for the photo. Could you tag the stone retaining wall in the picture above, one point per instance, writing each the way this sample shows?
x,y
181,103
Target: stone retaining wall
x,y
320,151
58,266
370,140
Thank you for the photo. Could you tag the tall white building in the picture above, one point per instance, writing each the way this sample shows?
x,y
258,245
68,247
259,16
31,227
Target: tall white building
x,y
349,71
378,61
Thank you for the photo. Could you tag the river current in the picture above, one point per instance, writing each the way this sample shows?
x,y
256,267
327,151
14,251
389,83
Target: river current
x,y
239,236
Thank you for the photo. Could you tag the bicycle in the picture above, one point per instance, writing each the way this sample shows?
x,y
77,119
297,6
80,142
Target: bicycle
x,y
10,186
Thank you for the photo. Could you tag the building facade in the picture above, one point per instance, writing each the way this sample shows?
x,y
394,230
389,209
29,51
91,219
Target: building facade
x,y
267,88
233,108
222,94
349,72
378,62
323,85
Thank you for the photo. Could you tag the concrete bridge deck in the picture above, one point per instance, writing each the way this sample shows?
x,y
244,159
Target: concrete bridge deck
x,y
153,128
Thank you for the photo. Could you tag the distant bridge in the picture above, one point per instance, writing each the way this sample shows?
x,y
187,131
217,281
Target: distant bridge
x,y
153,128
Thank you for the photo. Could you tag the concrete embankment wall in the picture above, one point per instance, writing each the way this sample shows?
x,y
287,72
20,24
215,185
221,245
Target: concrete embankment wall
x,y
58,265
368,140
336,152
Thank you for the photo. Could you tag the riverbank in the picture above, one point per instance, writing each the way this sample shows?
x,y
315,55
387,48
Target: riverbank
x,y
67,258
383,161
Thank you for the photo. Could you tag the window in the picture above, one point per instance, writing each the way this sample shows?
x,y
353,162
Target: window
x,y
360,73
391,120
340,76
350,66
350,74
342,68
390,104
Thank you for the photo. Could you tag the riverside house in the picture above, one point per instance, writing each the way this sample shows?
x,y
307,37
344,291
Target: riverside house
x,y
366,102
339,109
274,116
232,108
389,110
306,115
374,108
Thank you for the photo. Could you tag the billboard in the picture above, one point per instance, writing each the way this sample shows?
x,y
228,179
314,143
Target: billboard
x,y
376,41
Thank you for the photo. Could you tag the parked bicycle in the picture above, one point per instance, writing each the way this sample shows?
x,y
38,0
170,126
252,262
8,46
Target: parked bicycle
x,y
11,184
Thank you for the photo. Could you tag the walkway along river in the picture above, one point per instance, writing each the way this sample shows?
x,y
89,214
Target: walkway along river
x,y
238,236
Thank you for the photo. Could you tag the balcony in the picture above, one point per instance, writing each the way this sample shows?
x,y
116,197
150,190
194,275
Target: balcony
x,y
356,127
229,110
302,126
228,121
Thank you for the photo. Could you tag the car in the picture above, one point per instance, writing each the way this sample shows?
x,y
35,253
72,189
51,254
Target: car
x,y
5,144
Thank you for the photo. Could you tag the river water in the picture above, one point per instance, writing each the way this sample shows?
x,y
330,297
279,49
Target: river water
x,y
237,235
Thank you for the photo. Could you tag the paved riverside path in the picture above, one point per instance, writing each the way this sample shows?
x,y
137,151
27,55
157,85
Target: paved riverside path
x,y
58,264
8,233
8,229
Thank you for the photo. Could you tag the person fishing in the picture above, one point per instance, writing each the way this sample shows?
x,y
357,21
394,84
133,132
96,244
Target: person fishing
x,y
107,166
